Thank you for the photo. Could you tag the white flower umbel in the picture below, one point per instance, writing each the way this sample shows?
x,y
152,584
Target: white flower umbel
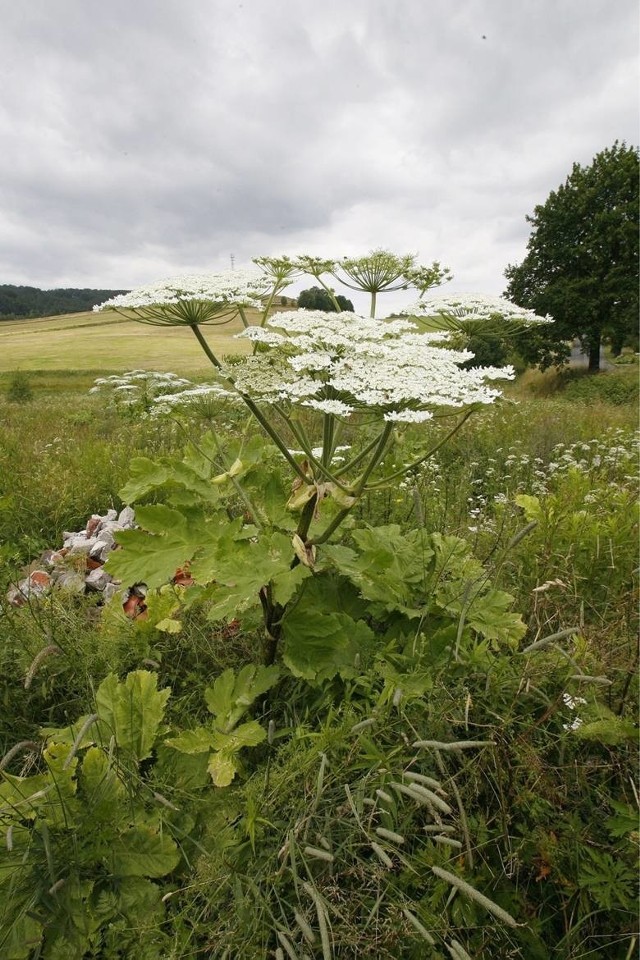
x,y
152,392
341,362
474,306
193,298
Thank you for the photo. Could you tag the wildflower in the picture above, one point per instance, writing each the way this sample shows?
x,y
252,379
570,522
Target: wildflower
x,y
575,723
341,362
193,298
474,306
572,702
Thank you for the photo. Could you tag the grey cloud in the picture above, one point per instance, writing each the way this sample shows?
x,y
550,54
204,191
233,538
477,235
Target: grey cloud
x,y
165,134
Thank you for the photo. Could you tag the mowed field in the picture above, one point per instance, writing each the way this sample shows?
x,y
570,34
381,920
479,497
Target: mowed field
x,y
110,342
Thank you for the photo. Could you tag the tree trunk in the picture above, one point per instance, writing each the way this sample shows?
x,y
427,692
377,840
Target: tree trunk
x,y
617,342
594,352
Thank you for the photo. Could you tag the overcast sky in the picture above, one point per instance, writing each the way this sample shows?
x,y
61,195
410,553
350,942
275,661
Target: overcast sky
x,y
141,138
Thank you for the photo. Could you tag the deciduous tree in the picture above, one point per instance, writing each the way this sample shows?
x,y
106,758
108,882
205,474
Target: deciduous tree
x,y
582,260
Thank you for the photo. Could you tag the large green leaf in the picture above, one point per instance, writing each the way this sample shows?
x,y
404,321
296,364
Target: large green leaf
x,y
489,615
102,787
229,696
316,644
222,769
139,897
248,734
223,765
132,711
143,852
148,475
145,475
387,566
153,554
241,567
198,740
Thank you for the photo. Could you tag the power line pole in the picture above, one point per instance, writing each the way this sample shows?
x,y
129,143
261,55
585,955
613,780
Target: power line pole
x,y
233,261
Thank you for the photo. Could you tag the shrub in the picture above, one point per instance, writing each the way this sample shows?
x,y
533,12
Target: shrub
x,y
614,388
19,389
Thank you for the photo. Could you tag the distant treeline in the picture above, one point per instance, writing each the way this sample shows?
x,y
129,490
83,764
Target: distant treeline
x,y
16,302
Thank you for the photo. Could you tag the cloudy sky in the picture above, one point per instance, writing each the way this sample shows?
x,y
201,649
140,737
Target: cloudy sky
x,y
142,138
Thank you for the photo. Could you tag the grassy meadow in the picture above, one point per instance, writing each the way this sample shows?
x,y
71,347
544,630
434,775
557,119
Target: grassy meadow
x,y
463,787
108,341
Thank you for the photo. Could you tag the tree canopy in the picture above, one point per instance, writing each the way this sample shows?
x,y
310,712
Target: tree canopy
x,y
315,298
16,301
582,261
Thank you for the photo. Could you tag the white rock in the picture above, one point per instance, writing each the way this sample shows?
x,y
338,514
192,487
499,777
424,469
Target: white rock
x,y
82,545
110,590
97,579
127,518
70,580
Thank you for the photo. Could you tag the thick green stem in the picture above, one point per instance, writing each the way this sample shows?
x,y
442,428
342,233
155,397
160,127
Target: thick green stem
x,y
385,436
363,453
373,303
205,347
420,460
272,296
264,423
333,526
331,294
266,426
306,517
380,448
271,613
243,317
303,440
327,439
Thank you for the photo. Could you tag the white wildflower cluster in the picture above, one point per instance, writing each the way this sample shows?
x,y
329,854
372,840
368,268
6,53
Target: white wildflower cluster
x,y
127,388
571,703
610,460
149,392
234,288
317,453
474,306
341,362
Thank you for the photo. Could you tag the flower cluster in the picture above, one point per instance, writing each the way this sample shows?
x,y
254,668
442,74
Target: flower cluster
x,y
474,306
341,362
193,298
571,703
148,392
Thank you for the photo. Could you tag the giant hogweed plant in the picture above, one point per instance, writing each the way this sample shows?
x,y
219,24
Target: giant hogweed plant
x,y
313,379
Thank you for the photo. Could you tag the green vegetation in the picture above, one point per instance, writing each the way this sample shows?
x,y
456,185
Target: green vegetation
x,y
582,260
315,298
106,342
326,832
19,389
16,301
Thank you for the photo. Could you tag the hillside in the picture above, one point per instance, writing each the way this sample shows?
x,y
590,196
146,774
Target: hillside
x,y
18,301
108,341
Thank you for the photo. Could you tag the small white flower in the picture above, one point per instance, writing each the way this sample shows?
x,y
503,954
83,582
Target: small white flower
x,y
575,723
408,416
337,407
